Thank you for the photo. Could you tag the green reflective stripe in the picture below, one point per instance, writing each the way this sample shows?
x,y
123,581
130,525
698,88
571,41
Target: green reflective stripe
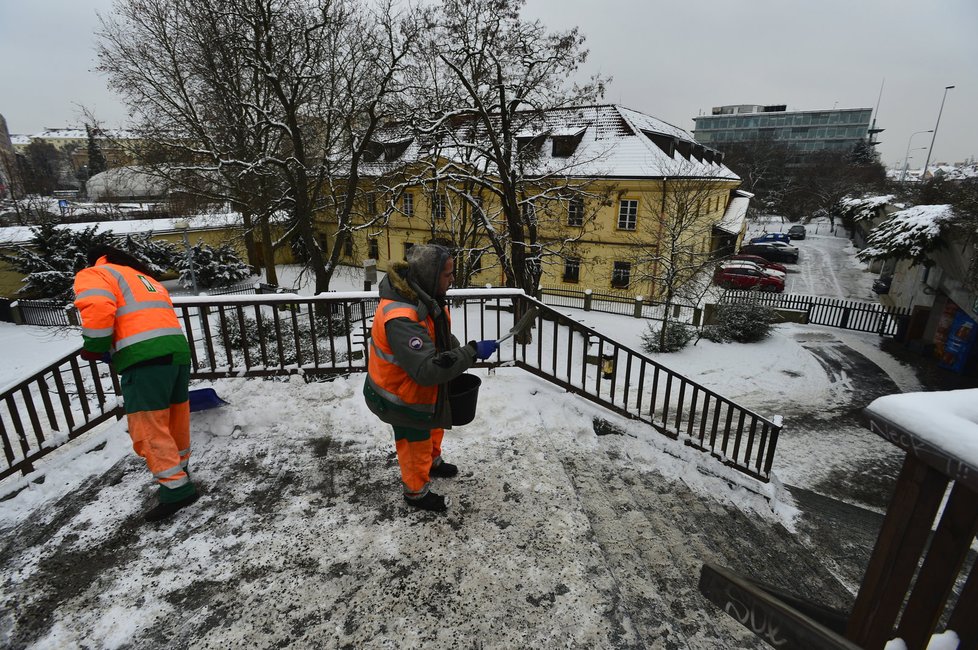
x,y
145,336
102,333
389,358
167,473
397,401
88,293
139,306
400,305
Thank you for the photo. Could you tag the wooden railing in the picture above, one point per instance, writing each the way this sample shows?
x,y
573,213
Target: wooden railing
x,y
287,334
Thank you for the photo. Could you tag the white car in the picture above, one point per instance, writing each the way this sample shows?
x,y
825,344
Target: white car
x,y
771,272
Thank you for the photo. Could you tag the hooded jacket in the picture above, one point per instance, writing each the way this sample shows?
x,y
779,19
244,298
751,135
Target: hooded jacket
x,y
413,355
128,313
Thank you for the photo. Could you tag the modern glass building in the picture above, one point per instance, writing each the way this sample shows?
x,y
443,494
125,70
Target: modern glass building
x,y
805,131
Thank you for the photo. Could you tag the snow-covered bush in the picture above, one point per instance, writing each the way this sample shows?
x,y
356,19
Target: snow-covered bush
x,y
51,258
214,267
678,336
331,336
160,256
744,322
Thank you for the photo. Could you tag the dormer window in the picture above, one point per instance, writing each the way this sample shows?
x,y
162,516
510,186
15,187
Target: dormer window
x,y
565,142
665,142
373,151
685,148
394,150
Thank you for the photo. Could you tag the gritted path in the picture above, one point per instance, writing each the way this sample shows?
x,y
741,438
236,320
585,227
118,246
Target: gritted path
x,y
300,541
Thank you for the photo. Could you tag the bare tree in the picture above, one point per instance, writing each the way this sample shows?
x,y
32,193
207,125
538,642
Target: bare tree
x,y
672,248
486,80
269,104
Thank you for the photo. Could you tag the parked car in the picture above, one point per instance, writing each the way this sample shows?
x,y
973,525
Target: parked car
x,y
746,275
769,237
757,259
882,285
774,251
759,266
797,231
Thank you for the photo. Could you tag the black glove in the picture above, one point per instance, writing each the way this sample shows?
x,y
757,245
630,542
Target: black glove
x,y
484,349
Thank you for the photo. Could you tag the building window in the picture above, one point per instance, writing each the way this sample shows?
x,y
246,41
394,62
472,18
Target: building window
x,y
627,214
374,249
438,207
621,276
371,200
575,212
572,270
529,212
348,246
407,204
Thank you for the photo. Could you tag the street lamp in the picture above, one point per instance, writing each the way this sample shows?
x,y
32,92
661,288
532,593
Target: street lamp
x,y
183,226
934,137
906,158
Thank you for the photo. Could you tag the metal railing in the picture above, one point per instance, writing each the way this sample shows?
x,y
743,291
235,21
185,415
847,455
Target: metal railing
x,y
286,334
619,303
833,312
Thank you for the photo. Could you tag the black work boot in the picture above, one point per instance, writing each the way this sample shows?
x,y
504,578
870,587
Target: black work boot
x,y
430,501
443,470
164,510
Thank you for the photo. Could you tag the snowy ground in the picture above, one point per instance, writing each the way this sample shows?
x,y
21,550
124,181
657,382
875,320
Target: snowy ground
x,y
556,537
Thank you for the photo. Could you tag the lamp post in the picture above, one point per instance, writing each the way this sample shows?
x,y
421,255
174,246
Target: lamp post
x,y
183,226
906,158
934,137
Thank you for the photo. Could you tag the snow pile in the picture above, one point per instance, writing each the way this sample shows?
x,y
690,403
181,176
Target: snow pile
x,y
865,208
907,234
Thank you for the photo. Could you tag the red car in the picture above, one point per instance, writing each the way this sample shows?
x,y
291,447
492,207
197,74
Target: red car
x,y
746,275
757,259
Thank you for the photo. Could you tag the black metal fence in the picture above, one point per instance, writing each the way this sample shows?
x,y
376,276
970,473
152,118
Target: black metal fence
x,y
43,312
622,304
286,334
834,312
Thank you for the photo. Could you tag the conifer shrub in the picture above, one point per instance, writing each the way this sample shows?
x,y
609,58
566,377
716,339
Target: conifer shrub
x,y
678,336
745,322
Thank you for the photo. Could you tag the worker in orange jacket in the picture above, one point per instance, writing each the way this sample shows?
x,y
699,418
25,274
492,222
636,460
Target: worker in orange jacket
x,y
127,316
413,356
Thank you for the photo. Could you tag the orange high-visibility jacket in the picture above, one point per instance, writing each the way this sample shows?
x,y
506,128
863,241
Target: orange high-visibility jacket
x,y
387,375
129,313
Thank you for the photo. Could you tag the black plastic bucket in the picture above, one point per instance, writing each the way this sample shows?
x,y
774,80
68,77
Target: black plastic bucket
x,y
463,395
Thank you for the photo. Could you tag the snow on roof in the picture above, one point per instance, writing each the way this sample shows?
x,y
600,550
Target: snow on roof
x,y
910,232
20,139
735,216
126,181
12,235
70,133
615,142
944,423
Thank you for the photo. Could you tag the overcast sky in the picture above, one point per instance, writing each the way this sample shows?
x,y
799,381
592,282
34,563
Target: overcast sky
x,y
672,59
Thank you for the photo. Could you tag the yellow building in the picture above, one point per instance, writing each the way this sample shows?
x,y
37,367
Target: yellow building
x,y
617,196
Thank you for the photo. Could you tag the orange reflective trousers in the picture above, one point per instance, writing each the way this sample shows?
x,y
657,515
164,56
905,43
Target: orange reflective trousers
x,y
417,452
158,411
